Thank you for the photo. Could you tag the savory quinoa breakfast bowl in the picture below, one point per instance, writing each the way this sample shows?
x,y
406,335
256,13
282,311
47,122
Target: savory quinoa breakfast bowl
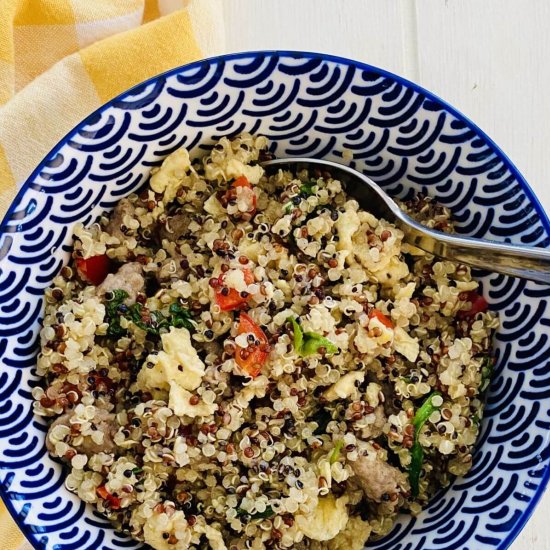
x,y
240,359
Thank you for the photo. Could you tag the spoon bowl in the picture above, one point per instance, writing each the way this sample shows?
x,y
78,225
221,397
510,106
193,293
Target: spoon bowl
x,y
526,262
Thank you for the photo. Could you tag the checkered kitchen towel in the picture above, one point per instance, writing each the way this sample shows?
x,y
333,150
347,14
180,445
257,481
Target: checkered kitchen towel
x,y
61,59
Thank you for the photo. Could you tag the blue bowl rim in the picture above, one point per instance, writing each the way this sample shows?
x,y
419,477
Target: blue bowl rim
x,y
545,220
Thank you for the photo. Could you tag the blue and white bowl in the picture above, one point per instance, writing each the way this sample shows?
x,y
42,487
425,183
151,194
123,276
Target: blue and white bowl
x,y
406,140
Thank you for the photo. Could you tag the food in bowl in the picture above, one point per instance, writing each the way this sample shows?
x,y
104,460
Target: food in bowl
x,y
241,360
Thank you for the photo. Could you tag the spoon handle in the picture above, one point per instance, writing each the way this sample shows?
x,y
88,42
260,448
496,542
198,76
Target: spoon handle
x,y
527,262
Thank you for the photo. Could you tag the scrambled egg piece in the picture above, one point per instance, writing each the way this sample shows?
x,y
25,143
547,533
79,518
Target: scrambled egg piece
x,y
177,368
385,332
158,524
406,291
327,520
394,271
214,206
373,394
353,537
347,225
406,345
235,168
251,249
363,343
215,538
345,387
169,177
179,403
179,362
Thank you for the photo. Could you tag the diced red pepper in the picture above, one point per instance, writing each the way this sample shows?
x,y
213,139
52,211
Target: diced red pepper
x,y
479,305
251,358
93,270
230,299
377,314
242,181
114,502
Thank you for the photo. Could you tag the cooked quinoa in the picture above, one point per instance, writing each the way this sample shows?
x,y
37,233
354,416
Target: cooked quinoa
x,y
240,360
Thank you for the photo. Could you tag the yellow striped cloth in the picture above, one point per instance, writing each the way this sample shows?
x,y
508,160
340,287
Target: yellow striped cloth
x,y
61,59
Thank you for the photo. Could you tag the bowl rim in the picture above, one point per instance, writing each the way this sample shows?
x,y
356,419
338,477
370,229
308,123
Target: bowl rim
x,y
534,200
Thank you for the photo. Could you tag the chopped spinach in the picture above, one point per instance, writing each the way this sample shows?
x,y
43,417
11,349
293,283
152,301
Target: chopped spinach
x,y
267,513
180,317
150,321
153,322
112,313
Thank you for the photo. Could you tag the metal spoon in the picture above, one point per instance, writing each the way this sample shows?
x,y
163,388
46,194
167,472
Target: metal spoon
x,y
526,262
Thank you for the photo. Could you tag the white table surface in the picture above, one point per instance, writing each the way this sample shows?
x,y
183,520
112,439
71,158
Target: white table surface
x,y
488,58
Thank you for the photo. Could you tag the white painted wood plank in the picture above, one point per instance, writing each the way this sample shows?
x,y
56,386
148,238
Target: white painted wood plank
x,y
490,60
486,58
369,30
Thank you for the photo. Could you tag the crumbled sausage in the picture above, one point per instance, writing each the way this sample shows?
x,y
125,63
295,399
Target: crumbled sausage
x,y
174,227
114,227
129,278
376,477
103,422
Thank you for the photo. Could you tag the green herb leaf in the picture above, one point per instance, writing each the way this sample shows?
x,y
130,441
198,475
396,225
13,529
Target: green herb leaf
x,y
267,513
180,317
313,342
424,412
309,343
417,458
298,334
486,373
307,188
134,314
417,452
112,314
335,453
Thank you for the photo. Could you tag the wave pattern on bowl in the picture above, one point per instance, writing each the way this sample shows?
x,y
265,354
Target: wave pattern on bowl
x,y
307,105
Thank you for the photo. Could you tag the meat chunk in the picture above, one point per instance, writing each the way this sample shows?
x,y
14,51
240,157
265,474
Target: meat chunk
x,y
376,477
104,422
122,209
175,226
128,278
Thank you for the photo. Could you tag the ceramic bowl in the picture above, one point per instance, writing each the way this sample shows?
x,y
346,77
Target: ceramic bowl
x,y
405,139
